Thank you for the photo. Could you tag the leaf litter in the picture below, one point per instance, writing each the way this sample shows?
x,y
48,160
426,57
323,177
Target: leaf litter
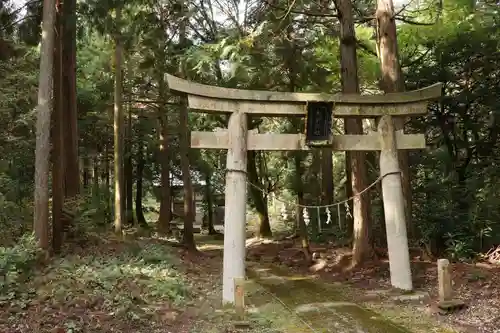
x,y
146,285
138,285
113,287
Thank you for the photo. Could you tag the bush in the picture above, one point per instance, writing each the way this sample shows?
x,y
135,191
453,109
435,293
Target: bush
x,y
17,264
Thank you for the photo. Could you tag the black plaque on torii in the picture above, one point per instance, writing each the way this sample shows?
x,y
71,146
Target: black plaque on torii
x,y
319,124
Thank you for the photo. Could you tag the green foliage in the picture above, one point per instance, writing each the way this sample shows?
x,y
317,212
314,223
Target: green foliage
x,y
455,207
17,265
455,198
139,275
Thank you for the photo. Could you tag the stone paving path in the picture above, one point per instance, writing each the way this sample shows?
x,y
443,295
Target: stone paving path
x,y
316,306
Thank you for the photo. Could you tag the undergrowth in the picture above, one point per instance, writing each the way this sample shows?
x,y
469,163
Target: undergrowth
x,y
17,266
131,282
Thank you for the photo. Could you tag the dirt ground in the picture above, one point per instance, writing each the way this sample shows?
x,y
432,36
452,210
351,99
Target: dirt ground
x,y
148,285
111,285
138,285
478,285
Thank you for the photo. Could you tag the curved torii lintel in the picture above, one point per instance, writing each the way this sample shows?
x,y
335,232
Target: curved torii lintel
x,y
192,88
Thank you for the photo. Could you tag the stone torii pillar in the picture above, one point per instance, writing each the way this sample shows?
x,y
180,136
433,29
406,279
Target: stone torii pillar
x,y
236,198
394,207
318,108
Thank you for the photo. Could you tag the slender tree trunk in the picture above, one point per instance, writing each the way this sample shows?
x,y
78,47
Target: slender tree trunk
x,y
208,223
304,237
118,132
327,188
107,182
315,190
378,239
57,138
42,149
95,176
259,199
393,81
141,220
349,76
327,175
189,213
72,179
86,171
265,225
184,144
349,221
164,156
129,169
290,60
165,197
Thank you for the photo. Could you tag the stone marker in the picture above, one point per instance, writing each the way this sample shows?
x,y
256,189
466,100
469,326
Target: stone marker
x,y
446,303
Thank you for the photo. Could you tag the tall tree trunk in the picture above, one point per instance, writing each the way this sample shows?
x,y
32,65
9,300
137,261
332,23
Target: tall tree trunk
x,y
348,191
57,138
86,171
314,190
141,220
107,182
327,188
42,149
189,213
304,237
184,144
393,81
290,60
164,156
165,196
95,176
128,169
362,248
208,223
118,132
72,179
259,199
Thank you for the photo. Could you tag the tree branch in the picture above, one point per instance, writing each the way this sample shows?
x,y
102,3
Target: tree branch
x,y
292,11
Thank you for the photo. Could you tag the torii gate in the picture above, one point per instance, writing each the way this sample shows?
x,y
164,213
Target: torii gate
x,y
320,108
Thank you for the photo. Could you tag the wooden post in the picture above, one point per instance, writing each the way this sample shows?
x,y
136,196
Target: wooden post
x,y
444,280
235,206
394,207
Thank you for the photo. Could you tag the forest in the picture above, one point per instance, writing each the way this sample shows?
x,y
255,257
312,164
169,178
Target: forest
x,y
113,223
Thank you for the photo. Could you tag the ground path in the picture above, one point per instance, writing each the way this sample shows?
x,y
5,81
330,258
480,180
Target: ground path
x,y
316,306
307,304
